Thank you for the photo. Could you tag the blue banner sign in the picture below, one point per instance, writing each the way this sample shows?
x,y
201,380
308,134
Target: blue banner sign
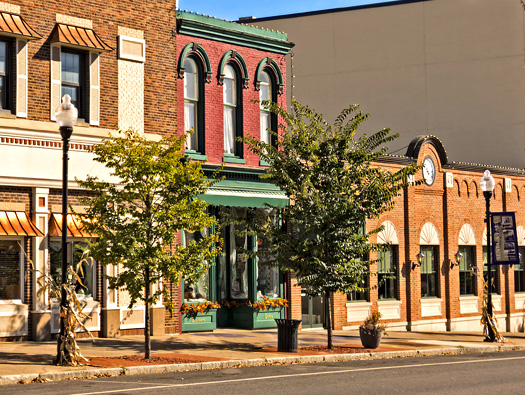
x,y
504,239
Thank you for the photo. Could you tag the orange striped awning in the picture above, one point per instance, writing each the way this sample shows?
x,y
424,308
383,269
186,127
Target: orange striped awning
x,y
17,223
78,37
14,25
74,226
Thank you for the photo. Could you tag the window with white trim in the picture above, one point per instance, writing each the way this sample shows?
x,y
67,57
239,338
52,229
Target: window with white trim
x,y
85,268
232,111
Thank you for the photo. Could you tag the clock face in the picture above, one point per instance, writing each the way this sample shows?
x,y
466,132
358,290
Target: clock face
x,y
429,171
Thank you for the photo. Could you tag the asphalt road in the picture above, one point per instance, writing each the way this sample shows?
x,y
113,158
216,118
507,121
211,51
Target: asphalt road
x,y
495,373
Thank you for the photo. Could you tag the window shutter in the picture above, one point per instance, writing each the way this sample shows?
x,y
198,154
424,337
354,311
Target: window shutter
x,y
94,89
56,79
21,78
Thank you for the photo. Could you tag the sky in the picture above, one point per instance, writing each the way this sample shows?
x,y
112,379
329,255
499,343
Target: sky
x,y
234,9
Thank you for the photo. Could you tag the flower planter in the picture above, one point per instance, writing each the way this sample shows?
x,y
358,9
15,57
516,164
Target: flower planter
x,y
370,339
247,317
201,322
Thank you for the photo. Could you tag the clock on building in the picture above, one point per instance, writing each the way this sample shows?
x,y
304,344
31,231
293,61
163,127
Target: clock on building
x,y
429,171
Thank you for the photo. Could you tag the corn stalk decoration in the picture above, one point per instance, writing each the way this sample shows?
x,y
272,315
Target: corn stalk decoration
x,y
489,323
69,354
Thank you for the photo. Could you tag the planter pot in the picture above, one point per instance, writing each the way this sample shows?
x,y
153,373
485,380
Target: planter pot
x,y
370,339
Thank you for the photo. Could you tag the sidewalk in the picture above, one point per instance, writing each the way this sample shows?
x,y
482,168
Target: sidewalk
x,y
23,362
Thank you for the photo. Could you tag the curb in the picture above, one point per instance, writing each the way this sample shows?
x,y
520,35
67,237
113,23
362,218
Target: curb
x,y
137,370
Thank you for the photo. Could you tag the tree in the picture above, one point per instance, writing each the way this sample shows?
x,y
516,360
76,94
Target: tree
x,y
136,221
334,187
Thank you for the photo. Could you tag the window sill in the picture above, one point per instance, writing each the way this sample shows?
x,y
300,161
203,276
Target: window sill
x,y
196,155
233,159
263,163
7,114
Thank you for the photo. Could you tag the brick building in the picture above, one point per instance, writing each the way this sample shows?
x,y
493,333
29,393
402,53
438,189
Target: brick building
x,y
107,56
223,67
446,68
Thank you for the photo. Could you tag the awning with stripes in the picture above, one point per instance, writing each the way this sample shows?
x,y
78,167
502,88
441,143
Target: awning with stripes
x,y
17,223
74,226
14,25
78,37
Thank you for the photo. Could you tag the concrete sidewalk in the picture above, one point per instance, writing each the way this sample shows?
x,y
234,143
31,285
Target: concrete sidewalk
x,y
23,362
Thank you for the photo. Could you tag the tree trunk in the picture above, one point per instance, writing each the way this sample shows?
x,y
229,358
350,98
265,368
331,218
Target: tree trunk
x,y
328,298
147,339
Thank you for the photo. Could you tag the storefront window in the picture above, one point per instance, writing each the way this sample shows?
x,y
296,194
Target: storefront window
x,y
85,271
198,290
10,270
238,262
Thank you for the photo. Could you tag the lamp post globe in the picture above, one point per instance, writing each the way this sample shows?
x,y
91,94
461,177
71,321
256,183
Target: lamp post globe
x,y
66,116
487,185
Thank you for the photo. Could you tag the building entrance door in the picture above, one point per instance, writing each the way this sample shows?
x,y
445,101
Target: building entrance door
x,y
312,308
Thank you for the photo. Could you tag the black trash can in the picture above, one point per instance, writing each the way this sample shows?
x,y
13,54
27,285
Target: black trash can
x,y
287,331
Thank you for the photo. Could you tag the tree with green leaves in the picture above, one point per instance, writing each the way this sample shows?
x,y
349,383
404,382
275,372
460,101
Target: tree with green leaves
x,y
137,219
335,185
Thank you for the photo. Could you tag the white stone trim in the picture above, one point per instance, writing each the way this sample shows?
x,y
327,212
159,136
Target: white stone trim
x,y
467,236
429,235
430,307
468,304
521,235
21,78
389,309
123,54
358,311
388,234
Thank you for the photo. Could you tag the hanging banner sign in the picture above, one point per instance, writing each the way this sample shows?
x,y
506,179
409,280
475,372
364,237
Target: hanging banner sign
x,y
504,239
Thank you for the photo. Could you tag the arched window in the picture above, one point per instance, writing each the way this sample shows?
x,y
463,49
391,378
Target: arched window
x,y
232,112
193,105
387,262
429,244
267,92
467,249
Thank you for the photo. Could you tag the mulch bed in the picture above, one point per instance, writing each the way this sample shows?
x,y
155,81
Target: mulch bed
x,y
157,359
174,358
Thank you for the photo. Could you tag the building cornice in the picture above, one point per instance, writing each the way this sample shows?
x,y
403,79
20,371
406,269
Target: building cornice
x,y
196,25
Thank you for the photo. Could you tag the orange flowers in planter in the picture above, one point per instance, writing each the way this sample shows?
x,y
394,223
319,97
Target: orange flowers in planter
x,y
261,305
191,310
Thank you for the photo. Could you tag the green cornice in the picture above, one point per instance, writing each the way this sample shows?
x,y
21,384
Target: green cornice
x,y
209,28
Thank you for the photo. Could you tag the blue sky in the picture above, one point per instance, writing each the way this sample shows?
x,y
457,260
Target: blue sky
x,y
235,9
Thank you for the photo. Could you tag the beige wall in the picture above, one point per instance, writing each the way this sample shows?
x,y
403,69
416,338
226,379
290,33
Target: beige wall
x,y
450,68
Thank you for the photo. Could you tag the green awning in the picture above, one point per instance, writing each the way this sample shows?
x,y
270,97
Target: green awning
x,y
244,197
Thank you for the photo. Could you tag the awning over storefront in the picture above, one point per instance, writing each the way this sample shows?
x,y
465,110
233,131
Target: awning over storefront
x,y
17,223
74,226
14,25
244,194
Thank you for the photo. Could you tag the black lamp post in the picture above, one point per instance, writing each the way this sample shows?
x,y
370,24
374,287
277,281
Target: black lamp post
x,y
66,115
487,185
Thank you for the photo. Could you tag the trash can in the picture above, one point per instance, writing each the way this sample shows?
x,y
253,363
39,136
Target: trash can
x,y
287,334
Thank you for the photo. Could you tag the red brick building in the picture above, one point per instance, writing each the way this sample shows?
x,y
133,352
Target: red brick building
x,y
223,68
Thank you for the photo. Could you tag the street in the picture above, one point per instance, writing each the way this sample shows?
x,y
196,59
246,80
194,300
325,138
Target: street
x,y
454,374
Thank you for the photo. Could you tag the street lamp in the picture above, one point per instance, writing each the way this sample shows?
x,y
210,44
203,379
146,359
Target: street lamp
x,y
66,115
487,185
